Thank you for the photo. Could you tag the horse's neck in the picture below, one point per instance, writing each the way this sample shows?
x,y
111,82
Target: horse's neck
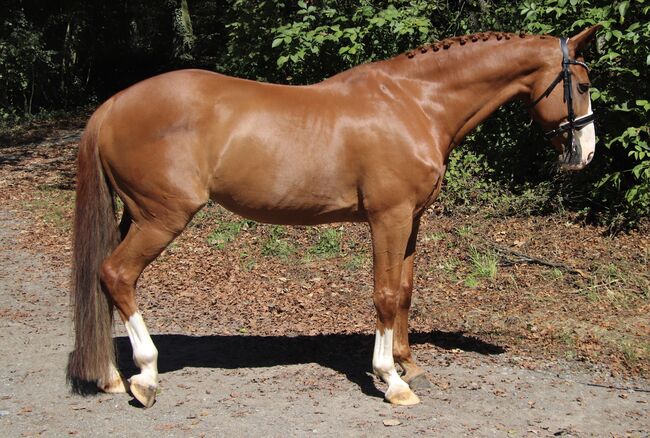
x,y
461,86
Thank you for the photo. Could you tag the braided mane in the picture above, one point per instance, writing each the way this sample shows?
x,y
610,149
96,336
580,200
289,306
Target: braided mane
x,y
445,44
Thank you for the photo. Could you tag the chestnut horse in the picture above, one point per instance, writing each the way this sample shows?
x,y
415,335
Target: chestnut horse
x,y
370,144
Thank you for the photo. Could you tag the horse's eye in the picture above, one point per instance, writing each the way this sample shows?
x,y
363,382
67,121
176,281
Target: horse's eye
x,y
583,87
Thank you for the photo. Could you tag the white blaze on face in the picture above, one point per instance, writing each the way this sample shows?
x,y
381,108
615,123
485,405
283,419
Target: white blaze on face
x,y
586,138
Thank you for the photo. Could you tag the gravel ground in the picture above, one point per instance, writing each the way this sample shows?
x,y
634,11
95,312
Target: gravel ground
x,y
216,385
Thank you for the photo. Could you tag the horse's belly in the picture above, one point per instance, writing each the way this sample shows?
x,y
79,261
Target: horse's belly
x,y
285,194
289,210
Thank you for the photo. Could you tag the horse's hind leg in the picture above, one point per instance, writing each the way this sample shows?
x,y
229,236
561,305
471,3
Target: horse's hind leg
x,y
142,244
413,374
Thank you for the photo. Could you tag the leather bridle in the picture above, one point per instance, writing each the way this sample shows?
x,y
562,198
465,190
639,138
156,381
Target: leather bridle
x,y
572,124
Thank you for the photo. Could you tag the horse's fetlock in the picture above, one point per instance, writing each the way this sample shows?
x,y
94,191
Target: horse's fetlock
x,y
382,367
145,354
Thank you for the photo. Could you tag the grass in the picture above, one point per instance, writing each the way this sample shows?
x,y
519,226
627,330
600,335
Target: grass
x,y
54,206
557,274
356,262
484,264
450,265
200,217
227,231
434,237
632,350
616,285
464,231
276,245
329,243
247,260
629,352
567,338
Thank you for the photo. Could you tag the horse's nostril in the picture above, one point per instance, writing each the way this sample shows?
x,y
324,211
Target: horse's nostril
x,y
590,156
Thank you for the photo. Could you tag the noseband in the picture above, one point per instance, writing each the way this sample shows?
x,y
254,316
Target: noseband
x,y
572,124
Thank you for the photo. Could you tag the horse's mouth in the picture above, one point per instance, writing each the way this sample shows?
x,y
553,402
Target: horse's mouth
x,y
574,161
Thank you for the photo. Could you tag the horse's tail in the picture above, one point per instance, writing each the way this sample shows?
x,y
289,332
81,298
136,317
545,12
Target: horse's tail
x,y
95,235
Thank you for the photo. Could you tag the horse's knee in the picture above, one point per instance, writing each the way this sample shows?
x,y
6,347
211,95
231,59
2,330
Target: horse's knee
x,y
386,303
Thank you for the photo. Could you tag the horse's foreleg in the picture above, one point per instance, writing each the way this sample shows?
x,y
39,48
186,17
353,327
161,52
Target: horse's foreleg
x,y
390,234
413,374
120,272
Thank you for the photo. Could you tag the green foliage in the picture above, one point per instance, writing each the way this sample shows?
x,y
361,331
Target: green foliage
x,y
464,232
468,180
330,35
185,39
248,26
24,61
356,262
276,244
484,263
329,243
450,266
227,231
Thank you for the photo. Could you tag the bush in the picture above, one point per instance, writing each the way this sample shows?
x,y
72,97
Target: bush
x,y
24,61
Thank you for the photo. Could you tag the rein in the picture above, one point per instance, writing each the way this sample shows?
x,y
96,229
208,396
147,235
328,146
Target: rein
x,y
572,124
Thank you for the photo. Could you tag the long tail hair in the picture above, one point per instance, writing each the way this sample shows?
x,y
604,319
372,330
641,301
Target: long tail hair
x,y
95,235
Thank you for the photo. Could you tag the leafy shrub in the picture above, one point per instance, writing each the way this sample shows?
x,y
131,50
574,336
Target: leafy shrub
x,y
319,39
24,61
468,181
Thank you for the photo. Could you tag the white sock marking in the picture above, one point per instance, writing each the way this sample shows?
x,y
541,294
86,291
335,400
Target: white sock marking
x,y
145,353
382,359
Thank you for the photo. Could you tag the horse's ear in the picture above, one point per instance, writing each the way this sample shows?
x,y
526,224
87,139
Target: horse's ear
x,y
581,40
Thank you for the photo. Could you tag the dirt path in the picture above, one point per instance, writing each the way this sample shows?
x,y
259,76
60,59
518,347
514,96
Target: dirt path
x,y
280,386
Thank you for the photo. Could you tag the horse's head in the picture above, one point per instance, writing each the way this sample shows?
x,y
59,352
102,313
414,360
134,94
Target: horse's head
x,y
560,101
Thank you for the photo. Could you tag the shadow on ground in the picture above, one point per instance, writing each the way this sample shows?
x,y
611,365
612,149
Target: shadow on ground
x,y
349,354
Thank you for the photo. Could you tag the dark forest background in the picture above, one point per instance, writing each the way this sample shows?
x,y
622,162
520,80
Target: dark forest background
x,y
59,56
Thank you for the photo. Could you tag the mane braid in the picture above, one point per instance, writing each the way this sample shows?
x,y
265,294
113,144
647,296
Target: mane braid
x,y
462,40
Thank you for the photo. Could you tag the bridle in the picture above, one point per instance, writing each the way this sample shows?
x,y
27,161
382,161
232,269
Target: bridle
x,y
572,124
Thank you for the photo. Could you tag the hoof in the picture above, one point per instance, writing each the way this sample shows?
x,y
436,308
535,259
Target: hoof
x,y
143,392
419,382
402,396
117,386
